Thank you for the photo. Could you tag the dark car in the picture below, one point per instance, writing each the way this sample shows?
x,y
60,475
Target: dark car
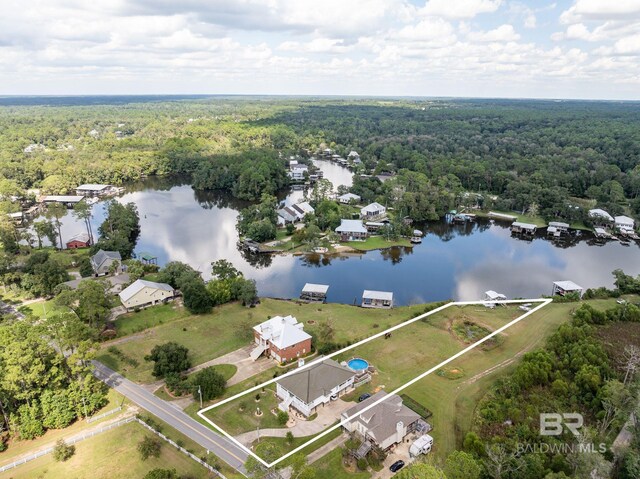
x,y
364,396
396,466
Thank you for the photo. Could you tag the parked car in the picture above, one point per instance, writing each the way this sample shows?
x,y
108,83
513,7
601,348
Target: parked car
x,y
333,397
364,396
396,466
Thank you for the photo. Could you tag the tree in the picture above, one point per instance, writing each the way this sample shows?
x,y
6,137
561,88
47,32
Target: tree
x,y
85,268
63,451
223,270
55,212
8,235
149,447
283,417
169,358
195,296
461,465
83,211
210,382
120,229
90,301
162,474
175,271
421,470
269,452
246,291
44,229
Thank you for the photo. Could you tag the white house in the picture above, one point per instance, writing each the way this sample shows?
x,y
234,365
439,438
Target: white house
x,y
294,213
312,387
377,299
385,424
600,215
624,223
493,296
352,230
348,198
93,189
373,211
562,288
281,338
143,293
298,171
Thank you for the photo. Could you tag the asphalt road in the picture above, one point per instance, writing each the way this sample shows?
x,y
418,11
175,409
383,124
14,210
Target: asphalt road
x,y
218,445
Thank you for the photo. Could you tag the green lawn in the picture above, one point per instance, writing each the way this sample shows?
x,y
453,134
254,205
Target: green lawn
x,y
110,455
298,441
376,242
330,467
43,308
228,328
135,322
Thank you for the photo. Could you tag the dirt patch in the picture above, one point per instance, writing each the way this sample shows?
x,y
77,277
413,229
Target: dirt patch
x,y
469,332
450,373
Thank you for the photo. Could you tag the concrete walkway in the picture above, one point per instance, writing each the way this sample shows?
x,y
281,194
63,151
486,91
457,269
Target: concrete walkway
x,y
327,416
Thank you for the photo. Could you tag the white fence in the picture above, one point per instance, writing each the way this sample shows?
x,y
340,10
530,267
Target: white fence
x,y
104,414
108,427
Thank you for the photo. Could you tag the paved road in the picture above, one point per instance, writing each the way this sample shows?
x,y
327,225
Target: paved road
x,y
218,445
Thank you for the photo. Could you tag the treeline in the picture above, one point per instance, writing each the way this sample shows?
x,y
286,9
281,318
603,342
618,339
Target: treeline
x,y
572,373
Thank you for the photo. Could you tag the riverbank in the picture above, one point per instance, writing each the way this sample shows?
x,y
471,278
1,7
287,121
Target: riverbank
x,y
537,220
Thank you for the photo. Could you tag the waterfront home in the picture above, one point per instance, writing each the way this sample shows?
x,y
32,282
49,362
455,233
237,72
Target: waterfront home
x,y
314,386
562,288
294,213
143,293
373,211
518,227
385,424
68,200
298,172
17,217
281,338
349,198
377,299
314,292
94,189
624,223
102,262
352,230
353,155
600,216
81,240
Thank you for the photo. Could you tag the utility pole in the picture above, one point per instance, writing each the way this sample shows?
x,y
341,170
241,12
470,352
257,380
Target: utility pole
x,y
84,404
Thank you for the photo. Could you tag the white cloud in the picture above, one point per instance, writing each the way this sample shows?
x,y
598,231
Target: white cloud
x,y
504,33
459,9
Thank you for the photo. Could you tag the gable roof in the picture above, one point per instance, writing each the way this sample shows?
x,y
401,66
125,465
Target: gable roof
x,y
624,220
93,187
349,196
380,295
597,212
351,226
317,380
315,288
382,419
98,259
138,285
568,285
82,237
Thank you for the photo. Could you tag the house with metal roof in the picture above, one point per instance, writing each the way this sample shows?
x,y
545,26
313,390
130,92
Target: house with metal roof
x,y
312,387
80,240
600,216
294,213
493,296
624,223
352,230
373,211
101,262
518,227
377,299
281,338
68,200
348,198
384,424
142,293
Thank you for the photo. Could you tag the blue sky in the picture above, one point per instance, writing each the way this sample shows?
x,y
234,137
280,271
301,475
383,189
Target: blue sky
x,y
487,48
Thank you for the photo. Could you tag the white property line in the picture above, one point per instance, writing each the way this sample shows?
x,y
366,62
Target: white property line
x,y
544,302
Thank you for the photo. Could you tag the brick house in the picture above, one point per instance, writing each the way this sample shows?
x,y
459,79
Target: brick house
x,y
79,241
281,338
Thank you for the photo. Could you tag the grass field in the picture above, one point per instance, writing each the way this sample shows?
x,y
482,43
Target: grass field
x,y
228,328
376,242
110,455
131,323
330,467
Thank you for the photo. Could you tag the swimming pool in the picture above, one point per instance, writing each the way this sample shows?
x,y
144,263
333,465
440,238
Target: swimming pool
x,y
358,364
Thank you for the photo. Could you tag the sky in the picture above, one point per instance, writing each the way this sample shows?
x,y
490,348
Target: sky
x,y
471,48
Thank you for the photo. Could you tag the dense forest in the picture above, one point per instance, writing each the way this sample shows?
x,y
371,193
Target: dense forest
x,y
546,158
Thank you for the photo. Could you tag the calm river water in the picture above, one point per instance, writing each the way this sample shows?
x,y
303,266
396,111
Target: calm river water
x,y
453,261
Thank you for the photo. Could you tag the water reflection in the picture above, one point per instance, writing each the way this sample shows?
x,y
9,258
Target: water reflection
x,y
458,261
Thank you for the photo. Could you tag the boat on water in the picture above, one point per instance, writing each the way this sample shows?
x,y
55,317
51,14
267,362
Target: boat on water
x,y
416,239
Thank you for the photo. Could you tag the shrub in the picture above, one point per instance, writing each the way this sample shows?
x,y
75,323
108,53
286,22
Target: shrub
x,y
169,358
63,451
162,474
212,384
283,417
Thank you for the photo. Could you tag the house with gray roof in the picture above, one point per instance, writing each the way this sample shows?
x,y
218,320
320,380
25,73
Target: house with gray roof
x,y
142,293
384,424
312,387
101,261
373,211
352,230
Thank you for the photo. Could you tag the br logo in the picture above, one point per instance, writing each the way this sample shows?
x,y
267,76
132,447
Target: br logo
x,y
554,424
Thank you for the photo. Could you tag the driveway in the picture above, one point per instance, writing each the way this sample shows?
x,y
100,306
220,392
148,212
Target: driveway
x,y
399,452
327,416
240,358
